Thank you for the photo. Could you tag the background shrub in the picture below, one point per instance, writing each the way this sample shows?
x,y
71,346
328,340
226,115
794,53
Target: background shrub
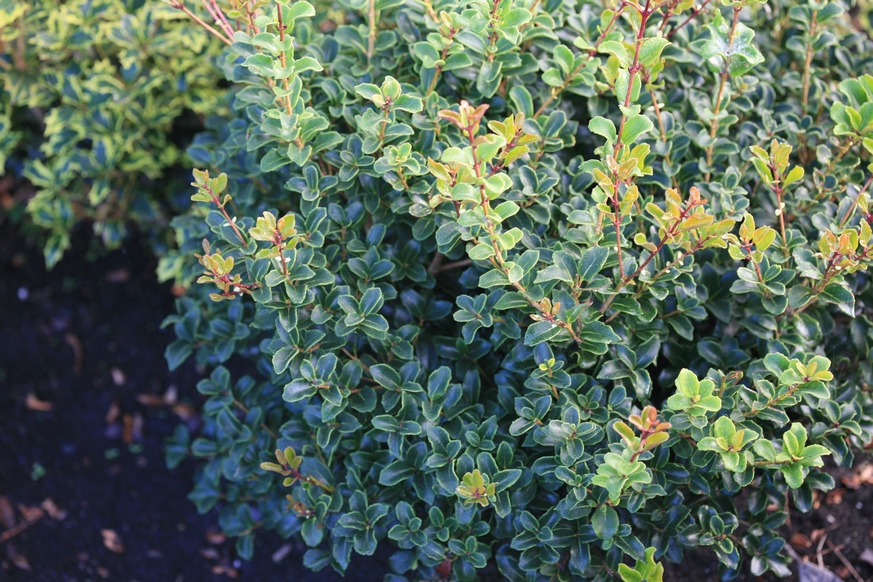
x,y
90,90
543,286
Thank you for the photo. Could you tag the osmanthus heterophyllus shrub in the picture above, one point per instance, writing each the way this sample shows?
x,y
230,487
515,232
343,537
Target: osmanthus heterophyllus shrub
x,y
89,91
561,289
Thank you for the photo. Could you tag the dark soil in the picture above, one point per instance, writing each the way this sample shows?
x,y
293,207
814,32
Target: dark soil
x,y
85,341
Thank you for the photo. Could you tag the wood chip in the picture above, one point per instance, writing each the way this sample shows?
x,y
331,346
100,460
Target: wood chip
x,y
215,537
111,541
78,351
169,398
53,510
17,558
118,377
209,553
281,553
800,541
127,436
133,426
7,513
862,475
835,496
152,400
118,276
852,481
30,513
225,570
31,516
113,413
34,403
185,411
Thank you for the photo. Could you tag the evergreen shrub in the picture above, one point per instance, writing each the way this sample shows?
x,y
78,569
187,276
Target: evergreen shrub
x,y
559,290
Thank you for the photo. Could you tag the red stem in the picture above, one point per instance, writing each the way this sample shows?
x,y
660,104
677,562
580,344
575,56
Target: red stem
x,y
222,17
180,5
633,70
694,13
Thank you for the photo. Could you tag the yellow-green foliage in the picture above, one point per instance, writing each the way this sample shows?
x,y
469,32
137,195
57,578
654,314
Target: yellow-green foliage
x,y
88,94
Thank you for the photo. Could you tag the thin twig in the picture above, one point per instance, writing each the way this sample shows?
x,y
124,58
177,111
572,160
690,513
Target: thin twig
x,y
218,16
724,75
808,63
18,56
635,68
283,60
435,263
371,39
222,17
439,68
694,14
14,531
454,265
667,14
845,562
821,544
180,5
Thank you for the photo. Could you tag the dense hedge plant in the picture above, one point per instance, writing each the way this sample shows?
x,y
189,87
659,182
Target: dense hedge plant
x,y
557,289
89,90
